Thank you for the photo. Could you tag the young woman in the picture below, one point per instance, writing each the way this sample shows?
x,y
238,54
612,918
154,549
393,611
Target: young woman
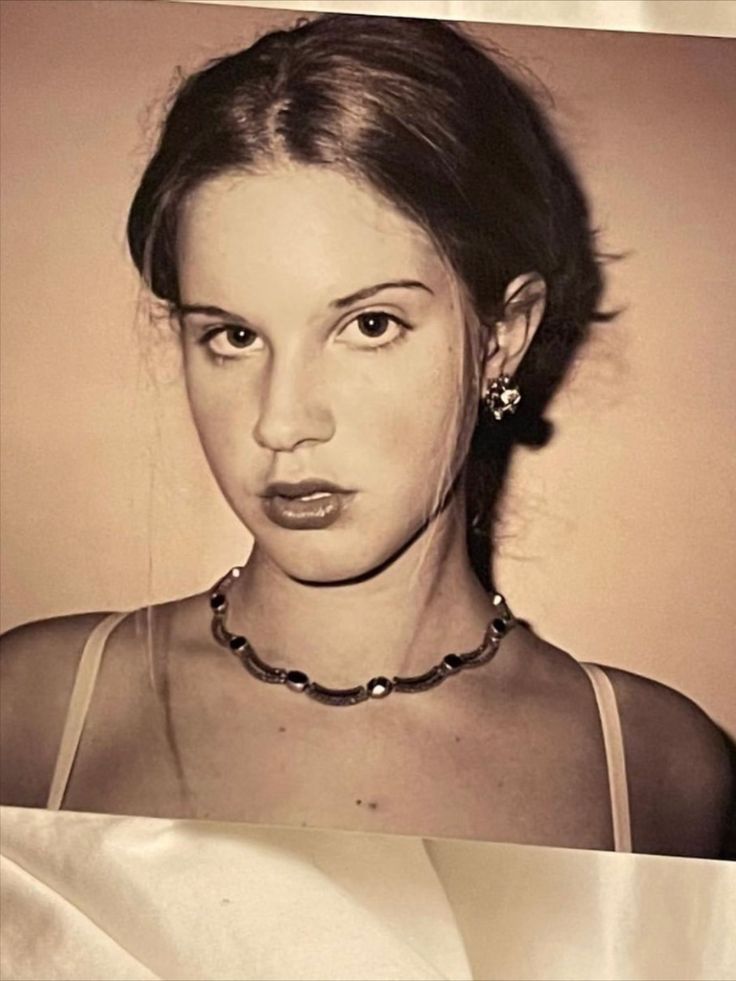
x,y
380,264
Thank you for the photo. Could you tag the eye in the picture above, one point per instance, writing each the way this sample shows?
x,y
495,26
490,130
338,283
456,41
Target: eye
x,y
228,342
374,329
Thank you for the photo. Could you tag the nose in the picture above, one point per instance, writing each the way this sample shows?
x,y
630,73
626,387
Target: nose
x,y
293,407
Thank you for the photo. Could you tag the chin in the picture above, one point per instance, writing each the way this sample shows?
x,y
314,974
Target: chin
x,y
331,561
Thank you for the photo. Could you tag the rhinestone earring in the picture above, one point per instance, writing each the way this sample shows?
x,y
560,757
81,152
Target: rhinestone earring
x,y
501,396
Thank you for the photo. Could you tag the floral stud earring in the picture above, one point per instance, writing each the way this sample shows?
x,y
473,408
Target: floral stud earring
x,y
501,396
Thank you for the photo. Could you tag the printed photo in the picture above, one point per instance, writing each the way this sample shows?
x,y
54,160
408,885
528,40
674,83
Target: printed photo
x,y
368,425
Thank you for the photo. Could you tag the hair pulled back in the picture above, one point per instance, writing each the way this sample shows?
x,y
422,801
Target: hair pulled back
x,y
423,115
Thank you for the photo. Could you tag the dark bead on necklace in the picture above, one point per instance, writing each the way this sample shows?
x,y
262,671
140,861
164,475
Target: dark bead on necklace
x,y
237,644
297,680
452,662
218,601
499,626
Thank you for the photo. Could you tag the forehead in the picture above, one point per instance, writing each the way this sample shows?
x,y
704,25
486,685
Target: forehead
x,y
308,232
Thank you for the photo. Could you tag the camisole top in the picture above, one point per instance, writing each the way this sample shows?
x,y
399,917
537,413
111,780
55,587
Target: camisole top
x,y
91,659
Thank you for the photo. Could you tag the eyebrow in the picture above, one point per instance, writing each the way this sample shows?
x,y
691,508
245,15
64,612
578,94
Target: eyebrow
x,y
346,301
182,309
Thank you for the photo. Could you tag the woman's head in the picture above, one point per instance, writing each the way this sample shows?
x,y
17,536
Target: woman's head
x,y
439,140
322,337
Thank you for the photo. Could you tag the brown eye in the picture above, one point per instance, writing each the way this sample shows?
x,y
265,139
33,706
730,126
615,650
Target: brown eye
x,y
240,337
374,324
373,330
228,342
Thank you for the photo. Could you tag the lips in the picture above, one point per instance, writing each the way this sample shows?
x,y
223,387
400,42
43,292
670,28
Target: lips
x,y
305,504
302,488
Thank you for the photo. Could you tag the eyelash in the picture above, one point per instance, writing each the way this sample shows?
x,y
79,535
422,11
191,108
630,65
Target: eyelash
x,y
211,333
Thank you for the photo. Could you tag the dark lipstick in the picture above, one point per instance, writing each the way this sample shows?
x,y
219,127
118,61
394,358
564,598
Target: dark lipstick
x,y
305,504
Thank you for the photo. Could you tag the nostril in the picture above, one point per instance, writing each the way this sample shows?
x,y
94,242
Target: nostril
x,y
288,422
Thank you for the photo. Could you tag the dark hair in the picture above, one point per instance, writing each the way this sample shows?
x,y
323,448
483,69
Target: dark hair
x,y
426,117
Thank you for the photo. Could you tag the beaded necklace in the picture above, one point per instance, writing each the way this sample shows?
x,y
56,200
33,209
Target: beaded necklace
x,y
378,687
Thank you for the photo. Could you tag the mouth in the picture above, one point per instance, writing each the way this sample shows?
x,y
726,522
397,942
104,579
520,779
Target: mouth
x,y
311,489
306,504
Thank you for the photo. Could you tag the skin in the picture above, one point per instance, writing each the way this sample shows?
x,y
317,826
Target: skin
x,y
511,752
308,392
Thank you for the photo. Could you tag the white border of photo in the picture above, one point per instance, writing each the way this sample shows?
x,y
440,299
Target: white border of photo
x,y
716,18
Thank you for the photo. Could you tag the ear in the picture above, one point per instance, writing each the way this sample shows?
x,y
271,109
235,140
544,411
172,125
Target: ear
x,y
509,338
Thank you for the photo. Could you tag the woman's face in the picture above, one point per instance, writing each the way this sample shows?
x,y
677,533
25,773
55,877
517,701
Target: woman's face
x,y
323,339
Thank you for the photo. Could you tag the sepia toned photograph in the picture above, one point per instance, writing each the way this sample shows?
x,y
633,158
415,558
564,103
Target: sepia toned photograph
x,y
367,496
368,425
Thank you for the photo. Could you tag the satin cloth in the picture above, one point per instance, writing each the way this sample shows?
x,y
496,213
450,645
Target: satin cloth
x,y
90,896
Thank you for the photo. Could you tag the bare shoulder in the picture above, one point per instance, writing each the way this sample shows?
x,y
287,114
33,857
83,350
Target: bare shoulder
x,y
38,663
679,764
38,667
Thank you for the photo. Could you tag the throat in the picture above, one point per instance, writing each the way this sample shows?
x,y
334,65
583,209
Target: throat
x,y
345,638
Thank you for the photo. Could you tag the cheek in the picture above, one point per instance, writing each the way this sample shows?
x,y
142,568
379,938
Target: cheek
x,y
220,413
410,416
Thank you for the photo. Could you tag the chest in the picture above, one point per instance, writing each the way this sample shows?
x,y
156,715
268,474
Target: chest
x,y
223,747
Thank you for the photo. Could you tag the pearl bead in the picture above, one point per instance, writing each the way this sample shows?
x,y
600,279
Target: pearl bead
x,y
379,687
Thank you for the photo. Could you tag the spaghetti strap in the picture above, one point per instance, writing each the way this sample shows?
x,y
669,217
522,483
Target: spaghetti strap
x,y
84,683
613,741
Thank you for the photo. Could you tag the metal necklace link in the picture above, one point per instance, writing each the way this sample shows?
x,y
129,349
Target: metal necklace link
x,y
379,687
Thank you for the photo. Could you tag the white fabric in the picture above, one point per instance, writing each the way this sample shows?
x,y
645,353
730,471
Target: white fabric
x,y
79,703
88,896
613,742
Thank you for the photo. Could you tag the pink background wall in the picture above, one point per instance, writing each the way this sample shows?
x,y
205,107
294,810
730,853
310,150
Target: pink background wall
x,y
619,537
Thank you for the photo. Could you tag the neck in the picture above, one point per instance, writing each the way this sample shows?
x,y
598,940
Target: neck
x,y
401,621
